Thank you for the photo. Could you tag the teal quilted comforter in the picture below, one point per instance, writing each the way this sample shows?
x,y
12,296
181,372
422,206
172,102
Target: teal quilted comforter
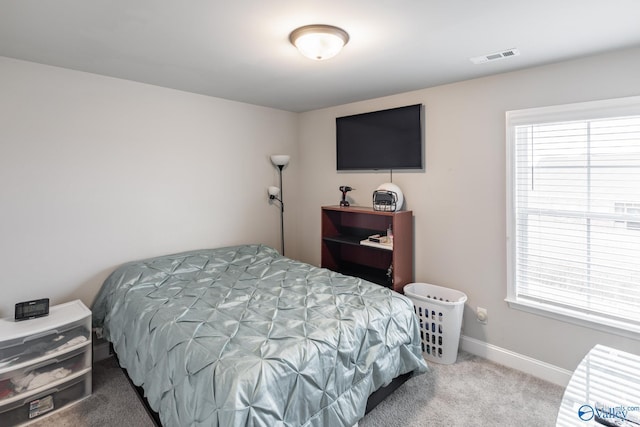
x,y
242,336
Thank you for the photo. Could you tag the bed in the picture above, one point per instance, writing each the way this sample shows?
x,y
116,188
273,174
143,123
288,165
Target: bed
x,y
244,336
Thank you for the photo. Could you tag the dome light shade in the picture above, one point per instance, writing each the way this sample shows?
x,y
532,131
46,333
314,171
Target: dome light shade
x,y
319,41
280,159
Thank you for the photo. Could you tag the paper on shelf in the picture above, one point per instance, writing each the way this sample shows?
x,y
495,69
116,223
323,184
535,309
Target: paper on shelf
x,y
367,242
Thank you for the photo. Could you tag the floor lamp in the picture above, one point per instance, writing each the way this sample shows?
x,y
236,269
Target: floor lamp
x,y
279,160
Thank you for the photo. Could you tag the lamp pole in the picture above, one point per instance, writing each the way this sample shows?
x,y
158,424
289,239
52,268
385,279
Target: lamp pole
x,y
280,160
281,209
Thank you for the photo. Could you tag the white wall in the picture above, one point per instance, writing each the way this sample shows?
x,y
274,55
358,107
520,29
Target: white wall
x,y
459,201
96,171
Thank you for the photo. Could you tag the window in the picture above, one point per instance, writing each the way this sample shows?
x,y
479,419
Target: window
x,y
573,212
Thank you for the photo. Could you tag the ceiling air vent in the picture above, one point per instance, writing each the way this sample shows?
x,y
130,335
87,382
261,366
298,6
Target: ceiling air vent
x,y
495,56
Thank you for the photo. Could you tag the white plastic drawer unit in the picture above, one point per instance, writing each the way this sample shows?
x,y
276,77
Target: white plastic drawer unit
x,y
68,326
35,377
25,408
45,363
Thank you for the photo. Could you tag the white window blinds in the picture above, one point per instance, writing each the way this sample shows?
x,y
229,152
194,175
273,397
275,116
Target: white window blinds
x,y
574,214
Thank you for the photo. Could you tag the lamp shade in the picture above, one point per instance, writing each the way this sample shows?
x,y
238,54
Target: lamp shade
x,y
280,159
273,191
319,41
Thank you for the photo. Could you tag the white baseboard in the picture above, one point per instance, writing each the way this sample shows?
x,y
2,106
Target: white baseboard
x,y
517,361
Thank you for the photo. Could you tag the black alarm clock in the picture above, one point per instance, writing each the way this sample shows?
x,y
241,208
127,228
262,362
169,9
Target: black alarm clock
x,y
32,309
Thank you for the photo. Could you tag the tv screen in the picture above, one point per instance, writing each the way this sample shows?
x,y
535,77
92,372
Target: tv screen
x,y
387,139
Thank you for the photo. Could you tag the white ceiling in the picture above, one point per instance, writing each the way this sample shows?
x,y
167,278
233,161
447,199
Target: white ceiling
x,y
239,49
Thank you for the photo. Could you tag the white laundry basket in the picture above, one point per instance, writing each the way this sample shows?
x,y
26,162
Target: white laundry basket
x,y
439,311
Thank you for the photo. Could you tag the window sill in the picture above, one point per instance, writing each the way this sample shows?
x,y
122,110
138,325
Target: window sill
x,y
587,320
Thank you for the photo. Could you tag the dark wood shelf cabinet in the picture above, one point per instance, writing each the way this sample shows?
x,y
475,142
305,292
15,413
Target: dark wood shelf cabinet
x,y
344,227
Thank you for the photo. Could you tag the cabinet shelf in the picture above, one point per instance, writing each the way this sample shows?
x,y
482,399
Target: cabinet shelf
x,y
375,275
355,241
345,240
344,227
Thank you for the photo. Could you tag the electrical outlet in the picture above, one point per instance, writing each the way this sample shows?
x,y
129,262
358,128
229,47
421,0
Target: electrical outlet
x,y
482,315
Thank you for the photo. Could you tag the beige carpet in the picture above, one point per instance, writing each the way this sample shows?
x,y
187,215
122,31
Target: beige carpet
x,y
472,392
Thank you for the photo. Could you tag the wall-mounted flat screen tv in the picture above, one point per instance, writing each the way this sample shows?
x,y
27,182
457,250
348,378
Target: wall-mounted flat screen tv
x,y
387,139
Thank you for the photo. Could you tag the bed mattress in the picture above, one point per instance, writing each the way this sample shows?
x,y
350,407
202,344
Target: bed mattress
x,y
242,336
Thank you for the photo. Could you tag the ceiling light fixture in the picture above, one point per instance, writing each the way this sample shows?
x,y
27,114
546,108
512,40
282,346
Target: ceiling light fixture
x,y
319,41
